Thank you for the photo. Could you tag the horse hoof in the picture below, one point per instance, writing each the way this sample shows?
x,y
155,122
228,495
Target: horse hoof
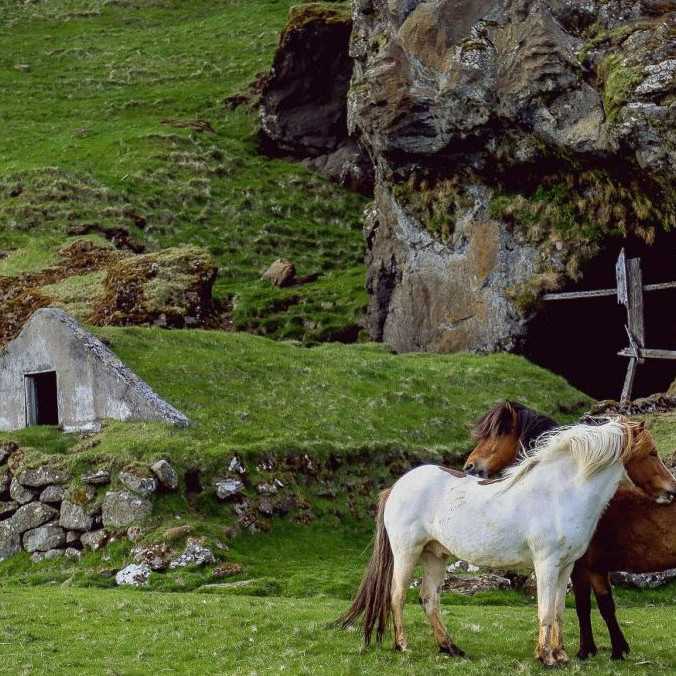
x,y
452,650
561,657
401,647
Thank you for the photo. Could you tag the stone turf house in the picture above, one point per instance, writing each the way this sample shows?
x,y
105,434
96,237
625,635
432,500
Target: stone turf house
x,y
56,373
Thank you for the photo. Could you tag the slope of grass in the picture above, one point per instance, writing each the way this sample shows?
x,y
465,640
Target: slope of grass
x,y
117,119
55,631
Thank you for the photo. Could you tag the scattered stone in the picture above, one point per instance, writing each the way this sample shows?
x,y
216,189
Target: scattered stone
x,y
155,556
37,557
468,585
177,533
52,494
10,540
75,517
32,515
267,489
655,403
265,507
93,540
195,554
227,570
143,485
20,494
122,509
281,273
228,488
134,575
134,533
165,474
236,466
72,553
644,580
98,478
8,508
43,476
44,538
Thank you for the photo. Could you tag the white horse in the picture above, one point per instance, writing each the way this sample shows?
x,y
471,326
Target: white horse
x,y
541,516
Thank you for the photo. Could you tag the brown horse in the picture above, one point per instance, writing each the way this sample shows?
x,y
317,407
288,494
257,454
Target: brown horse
x,y
633,535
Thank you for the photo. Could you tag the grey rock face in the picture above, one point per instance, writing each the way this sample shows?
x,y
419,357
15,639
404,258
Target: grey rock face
x,y
75,517
44,538
20,494
143,485
469,107
303,103
122,509
72,553
52,494
134,575
10,540
165,474
31,516
228,488
43,476
94,540
195,554
5,481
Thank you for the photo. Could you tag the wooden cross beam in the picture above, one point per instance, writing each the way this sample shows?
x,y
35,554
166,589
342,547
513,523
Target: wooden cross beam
x,y
629,292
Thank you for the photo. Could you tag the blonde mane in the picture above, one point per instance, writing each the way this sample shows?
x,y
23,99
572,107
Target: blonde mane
x,y
594,447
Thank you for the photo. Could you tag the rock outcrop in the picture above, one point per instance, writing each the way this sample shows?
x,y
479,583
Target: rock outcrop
x,y
511,139
304,100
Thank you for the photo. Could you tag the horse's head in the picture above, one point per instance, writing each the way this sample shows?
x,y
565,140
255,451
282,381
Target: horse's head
x,y
497,436
645,467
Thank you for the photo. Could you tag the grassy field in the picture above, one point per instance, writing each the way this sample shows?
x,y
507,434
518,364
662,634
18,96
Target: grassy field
x,y
58,631
103,128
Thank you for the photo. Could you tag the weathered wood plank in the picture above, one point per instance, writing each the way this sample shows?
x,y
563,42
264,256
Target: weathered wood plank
x,y
629,381
570,295
663,286
635,301
647,353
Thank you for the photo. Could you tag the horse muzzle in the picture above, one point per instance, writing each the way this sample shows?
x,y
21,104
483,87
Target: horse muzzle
x,y
666,498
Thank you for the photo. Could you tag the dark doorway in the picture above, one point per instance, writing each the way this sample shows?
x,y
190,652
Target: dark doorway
x,y
580,339
42,407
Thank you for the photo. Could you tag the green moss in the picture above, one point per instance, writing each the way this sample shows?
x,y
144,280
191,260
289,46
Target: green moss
x,y
324,12
433,203
619,81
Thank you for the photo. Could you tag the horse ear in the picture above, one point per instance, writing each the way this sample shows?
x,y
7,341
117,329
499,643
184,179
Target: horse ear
x,y
641,426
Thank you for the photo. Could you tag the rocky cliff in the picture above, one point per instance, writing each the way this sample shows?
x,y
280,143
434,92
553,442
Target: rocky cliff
x,y
512,141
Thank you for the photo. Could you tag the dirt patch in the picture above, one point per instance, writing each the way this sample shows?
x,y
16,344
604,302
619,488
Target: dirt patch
x,y
171,288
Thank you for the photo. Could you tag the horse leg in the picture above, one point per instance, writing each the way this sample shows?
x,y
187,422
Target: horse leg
x,y
582,591
434,568
604,599
557,637
404,563
547,575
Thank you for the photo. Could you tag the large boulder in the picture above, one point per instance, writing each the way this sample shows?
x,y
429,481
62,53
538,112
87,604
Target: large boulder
x,y
511,139
39,477
304,100
44,538
31,516
122,509
75,516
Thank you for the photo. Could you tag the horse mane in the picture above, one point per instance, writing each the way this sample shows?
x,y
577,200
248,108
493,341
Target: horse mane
x,y
508,416
594,447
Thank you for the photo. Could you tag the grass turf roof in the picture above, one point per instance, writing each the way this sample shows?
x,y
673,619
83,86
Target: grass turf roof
x,y
246,393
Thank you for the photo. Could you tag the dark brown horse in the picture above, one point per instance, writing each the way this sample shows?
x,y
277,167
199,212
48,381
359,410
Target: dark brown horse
x,y
635,534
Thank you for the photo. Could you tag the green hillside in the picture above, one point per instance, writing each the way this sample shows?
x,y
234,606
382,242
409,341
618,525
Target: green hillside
x,y
117,119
